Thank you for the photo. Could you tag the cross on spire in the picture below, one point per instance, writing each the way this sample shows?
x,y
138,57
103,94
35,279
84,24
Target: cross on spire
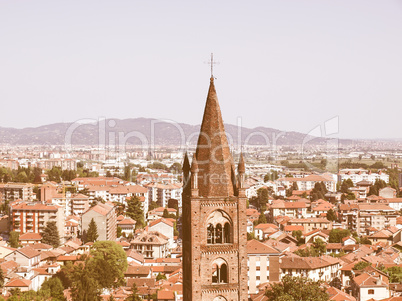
x,y
212,63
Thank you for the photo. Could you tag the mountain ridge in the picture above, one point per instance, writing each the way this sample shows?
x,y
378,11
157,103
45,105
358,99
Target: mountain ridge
x,y
135,131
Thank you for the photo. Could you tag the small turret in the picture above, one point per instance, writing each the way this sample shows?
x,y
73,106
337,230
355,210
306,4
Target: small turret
x,y
194,176
241,168
186,176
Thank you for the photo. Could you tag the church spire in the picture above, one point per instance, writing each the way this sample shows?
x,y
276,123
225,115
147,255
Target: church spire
x,y
215,164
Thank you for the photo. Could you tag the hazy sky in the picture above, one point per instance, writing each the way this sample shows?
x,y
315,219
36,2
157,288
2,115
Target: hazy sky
x,y
290,65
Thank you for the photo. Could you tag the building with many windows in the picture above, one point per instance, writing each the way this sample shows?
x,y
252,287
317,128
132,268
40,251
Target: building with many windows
x,y
15,191
262,265
33,217
105,218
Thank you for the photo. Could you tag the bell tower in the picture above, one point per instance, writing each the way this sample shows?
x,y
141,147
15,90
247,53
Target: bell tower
x,y
214,215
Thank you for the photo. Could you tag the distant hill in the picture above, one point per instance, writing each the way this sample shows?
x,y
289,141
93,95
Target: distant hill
x,y
134,131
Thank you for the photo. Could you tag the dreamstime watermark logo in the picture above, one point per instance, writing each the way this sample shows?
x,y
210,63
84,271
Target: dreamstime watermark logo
x,y
112,140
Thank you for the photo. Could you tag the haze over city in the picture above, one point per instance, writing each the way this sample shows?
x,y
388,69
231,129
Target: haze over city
x,y
289,65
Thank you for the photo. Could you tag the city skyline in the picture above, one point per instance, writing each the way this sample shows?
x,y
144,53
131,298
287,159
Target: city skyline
x,y
289,66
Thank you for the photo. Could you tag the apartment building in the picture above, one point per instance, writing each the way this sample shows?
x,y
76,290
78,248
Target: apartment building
x,y
105,218
15,191
262,265
348,214
161,193
73,204
374,215
357,175
64,164
308,182
33,217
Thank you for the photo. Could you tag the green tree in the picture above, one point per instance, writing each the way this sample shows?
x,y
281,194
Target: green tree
x,y
55,288
395,274
165,213
65,274
319,191
336,235
92,233
50,234
361,265
365,241
84,286
119,231
14,239
107,264
175,168
296,289
250,236
319,246
1,278
298,235
134,294
134,210
378,185
160,277
152,205
346,184
158,165
261,219
331,215
262,198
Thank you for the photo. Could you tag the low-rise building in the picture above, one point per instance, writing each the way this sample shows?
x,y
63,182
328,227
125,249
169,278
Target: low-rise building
x,y
370,286
324,268
151,245
311,224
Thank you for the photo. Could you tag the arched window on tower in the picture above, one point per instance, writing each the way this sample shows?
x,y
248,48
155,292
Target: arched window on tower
x,y
219,229
218,234
226,232
210,234
224,273
220,271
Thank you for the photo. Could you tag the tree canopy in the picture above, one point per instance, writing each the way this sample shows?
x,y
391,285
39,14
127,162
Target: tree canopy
x,y
14,239
331,215
50,234
134,210
107,264
296,289
92,233
336,235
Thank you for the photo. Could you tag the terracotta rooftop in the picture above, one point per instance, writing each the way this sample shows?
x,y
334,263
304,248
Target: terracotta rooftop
x,y
256,247
30,236
28,251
